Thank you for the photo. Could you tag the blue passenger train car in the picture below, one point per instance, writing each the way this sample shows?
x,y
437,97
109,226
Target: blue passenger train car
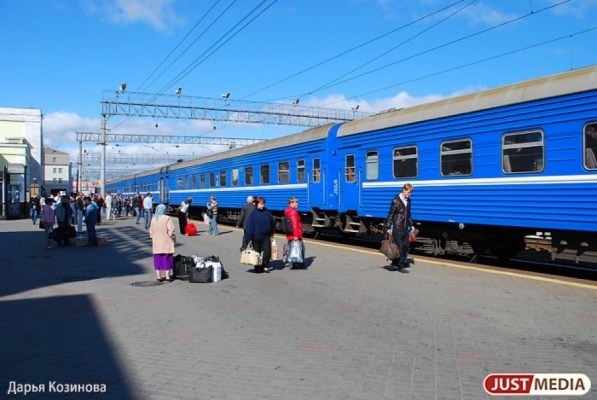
x,y
488,168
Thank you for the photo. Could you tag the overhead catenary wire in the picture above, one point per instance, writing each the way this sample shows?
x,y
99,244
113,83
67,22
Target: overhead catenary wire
x,y
141,87
443,45
411,38
350,50
476,62
206,54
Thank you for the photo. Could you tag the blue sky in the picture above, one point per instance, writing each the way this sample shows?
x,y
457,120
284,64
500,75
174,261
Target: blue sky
x,y
59,55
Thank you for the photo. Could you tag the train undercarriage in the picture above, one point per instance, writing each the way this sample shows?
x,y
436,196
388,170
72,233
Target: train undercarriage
x,y
473,241
437,239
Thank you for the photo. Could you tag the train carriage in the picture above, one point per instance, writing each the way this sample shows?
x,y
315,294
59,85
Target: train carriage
x,y
291,166
488,168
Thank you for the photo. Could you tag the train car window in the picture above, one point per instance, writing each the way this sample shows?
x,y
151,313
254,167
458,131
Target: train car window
x,y
590,146
316,170
405,162
248,176
202,181
283,172
223,178
186,182
194,181
178,183
264,174
234,176
349,168
212,179
372,165
457,157
523,152
300,170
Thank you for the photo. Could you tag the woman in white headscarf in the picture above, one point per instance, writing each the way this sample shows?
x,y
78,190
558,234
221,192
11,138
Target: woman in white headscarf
x,y
163,236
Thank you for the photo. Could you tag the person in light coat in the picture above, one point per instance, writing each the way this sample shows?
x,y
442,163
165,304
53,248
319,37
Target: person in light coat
x,y
163,237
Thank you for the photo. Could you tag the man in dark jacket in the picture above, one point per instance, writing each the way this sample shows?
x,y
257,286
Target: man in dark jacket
x,y
398,224
136,204
243,218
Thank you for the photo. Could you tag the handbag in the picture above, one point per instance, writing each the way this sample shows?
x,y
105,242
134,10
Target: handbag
x,y
296,252
250,256
201,275
389,248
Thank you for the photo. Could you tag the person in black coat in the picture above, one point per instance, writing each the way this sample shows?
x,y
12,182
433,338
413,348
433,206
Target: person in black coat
x,y
243,219
398,223
260,228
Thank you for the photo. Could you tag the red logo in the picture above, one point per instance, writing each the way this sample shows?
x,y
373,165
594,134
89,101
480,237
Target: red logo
x,y
537,384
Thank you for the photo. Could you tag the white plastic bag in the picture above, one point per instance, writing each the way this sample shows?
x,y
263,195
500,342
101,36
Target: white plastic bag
x,y
296,252
275,251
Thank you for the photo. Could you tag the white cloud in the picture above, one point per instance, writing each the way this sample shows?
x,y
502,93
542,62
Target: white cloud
x,y
159,14
486,15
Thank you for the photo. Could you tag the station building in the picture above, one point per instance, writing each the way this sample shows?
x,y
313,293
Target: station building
x,y
21,159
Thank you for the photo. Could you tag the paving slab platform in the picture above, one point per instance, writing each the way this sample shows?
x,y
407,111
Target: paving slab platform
x,y
347,327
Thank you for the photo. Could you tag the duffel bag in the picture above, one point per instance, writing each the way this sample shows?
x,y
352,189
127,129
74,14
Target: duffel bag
x,y
190,230
389,248
201,275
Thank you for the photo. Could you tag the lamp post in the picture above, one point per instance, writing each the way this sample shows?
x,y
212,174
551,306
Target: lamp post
x,y
25,191
103,160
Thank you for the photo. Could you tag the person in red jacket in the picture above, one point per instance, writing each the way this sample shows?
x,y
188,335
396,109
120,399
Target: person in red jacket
x,y
297,232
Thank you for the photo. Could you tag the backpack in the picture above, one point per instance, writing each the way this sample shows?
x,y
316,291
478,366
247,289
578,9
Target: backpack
x,y
182,266
286,226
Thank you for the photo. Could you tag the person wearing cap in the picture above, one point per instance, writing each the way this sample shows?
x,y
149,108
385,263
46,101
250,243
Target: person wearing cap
x,y
183,212
212,208
47,220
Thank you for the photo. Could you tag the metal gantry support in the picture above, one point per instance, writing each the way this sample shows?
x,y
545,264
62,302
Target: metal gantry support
x,y
136,158
137,138
135,104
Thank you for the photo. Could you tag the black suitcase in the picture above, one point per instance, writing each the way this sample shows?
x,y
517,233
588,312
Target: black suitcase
x,y
64,232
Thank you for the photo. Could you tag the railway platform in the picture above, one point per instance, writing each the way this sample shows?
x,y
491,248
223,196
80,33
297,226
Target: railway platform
x,y
92,323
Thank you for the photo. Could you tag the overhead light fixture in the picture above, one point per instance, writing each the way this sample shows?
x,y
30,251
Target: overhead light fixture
x,y
295,102
178,92
225,95
122,87
355,108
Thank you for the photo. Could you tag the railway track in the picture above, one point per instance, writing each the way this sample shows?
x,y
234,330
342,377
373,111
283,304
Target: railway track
x,y
536,258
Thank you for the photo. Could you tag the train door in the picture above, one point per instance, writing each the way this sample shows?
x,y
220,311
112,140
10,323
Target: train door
x,y
349,180
316,185
164,187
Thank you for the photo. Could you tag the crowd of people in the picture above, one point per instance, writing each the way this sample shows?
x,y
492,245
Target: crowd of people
x,y
258,223
64,211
